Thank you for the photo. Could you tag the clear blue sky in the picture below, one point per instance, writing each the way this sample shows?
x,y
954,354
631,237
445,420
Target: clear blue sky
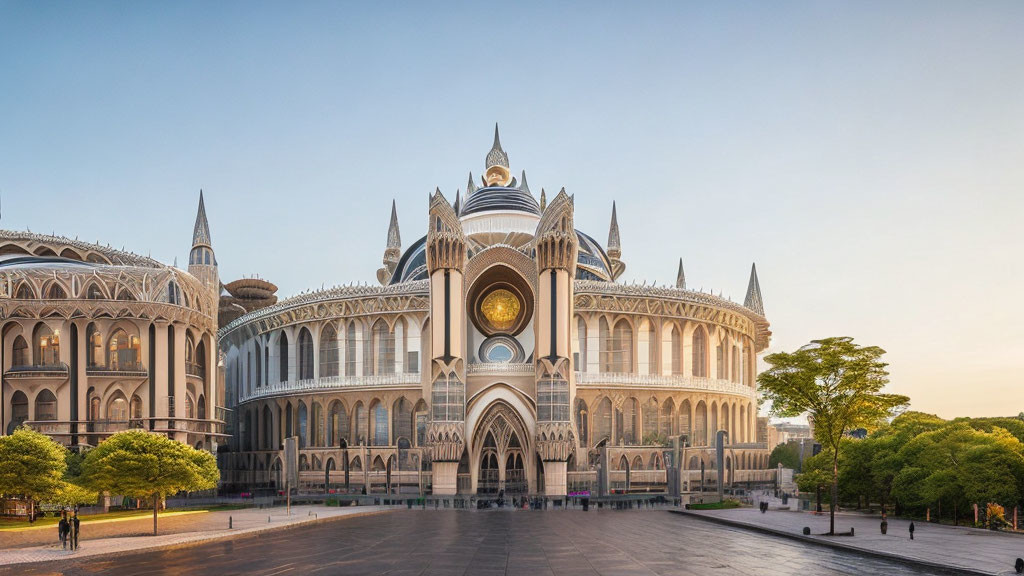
x,y
867,155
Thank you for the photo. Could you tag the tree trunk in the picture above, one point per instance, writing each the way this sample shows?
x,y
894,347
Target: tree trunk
x,y
835,495
156,506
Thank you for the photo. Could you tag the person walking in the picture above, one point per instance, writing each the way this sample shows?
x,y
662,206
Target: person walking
x,y
75,531
62,530
911,529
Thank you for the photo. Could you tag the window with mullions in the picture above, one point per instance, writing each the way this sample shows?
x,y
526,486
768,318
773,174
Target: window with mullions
x,y
448,399
552,400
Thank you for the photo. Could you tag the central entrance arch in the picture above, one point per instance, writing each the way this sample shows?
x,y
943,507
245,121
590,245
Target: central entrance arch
x,y
500,445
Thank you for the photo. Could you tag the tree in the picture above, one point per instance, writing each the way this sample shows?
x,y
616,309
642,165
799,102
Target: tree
x,y
787,454
31,465
838,385
142,465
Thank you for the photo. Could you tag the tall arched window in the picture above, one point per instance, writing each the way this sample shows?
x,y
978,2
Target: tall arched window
x,y
685,425
267,442
46,405
350,349
666,424
282,358
117,408
626,422
677,351
123,351
605,345
422,414
581,343
582,416
337,424
24,292
700,352
748,365
305,354
303,423
19,410
622,338
136,410
700,425
47,346
359,414
735,372
652,349
384,348
380,424
259,365
603,420
56,292
318,424
20,356
401,416
650,420
720,360
328,351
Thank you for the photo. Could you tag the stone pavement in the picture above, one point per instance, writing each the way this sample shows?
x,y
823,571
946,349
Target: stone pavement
x,y
970,550
208,526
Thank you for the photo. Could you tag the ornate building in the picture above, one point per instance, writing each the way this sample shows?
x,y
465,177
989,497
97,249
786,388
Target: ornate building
x,y
498,353
95,340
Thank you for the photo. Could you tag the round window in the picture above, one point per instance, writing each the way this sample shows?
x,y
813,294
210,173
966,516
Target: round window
x,y
500,353
500,309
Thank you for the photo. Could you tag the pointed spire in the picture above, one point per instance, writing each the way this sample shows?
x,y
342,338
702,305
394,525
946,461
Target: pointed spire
x,y
614,245
543,200
497,156
394,236
470,186
753,300
201,232
524,186
458,202
681,277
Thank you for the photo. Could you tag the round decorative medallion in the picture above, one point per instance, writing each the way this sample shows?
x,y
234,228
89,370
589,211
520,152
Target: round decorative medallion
x,y
500,309
501,350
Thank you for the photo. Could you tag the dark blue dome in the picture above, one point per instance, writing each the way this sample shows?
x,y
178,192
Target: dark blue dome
x,y
413,264
500,198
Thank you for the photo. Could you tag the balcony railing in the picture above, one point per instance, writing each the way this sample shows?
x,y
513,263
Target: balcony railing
x,y
121,369
626,380
502,369
40,371
105,427
329,383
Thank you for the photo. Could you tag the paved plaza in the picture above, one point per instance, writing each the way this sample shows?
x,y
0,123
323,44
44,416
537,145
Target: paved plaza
x,y
969,549
493,542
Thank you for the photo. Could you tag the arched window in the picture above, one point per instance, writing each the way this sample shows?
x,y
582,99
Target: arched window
x,y
725,422
422,418
305,354
652,349
401,416
117,408
318,425
380,424
337,424
616,347
603,420
700,352
734,373
259,365
174,293
581,342
94,404
282,358
200,359
46,405
748,366
350,349
56,292
19,411
666,424
190,405
360,423
94,340
700,425
720,360
303,422
123,351
384,348
47,346
581,422
685,425
201,407
677,351
268,429
24,292
136,410
328,351
20,356
626,423
650,421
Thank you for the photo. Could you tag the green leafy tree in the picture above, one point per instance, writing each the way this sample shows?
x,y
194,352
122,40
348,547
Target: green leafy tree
x,y
838,384
31,465
787,454
141,465
70,495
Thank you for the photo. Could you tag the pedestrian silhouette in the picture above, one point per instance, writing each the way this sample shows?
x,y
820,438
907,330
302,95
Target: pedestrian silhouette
x,y
911,529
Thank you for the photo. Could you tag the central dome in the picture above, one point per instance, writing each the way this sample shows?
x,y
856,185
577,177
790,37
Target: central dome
x,y
500,199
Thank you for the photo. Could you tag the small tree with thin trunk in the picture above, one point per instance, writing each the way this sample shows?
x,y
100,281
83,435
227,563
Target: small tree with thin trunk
x,y
31,465
838,385
142,465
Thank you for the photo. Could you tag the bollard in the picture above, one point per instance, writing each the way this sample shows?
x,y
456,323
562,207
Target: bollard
x,y
231,522
268,519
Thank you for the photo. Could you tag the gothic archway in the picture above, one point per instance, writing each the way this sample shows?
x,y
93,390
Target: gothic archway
x,y
500,445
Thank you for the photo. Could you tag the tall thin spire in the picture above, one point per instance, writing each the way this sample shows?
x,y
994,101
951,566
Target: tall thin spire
x,y
614,244
496,156
201,232
681,276
394,236
753,300
470,186
524,186
543,200
458,202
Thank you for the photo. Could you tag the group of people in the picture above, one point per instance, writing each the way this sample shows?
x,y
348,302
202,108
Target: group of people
x,y
68,530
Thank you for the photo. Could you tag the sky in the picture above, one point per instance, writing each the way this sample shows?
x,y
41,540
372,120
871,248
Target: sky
x,y
866,155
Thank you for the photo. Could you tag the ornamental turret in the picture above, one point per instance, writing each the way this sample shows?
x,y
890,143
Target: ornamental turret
x,y
753,300
615,247
496,166
393,251
446,260
202,263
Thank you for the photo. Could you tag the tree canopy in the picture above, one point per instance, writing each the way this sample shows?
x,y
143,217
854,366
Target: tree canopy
x,y
31,465
787,454
141,465
838,384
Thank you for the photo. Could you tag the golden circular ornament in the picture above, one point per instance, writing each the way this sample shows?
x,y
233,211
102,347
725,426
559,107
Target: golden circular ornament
x,y
501,309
